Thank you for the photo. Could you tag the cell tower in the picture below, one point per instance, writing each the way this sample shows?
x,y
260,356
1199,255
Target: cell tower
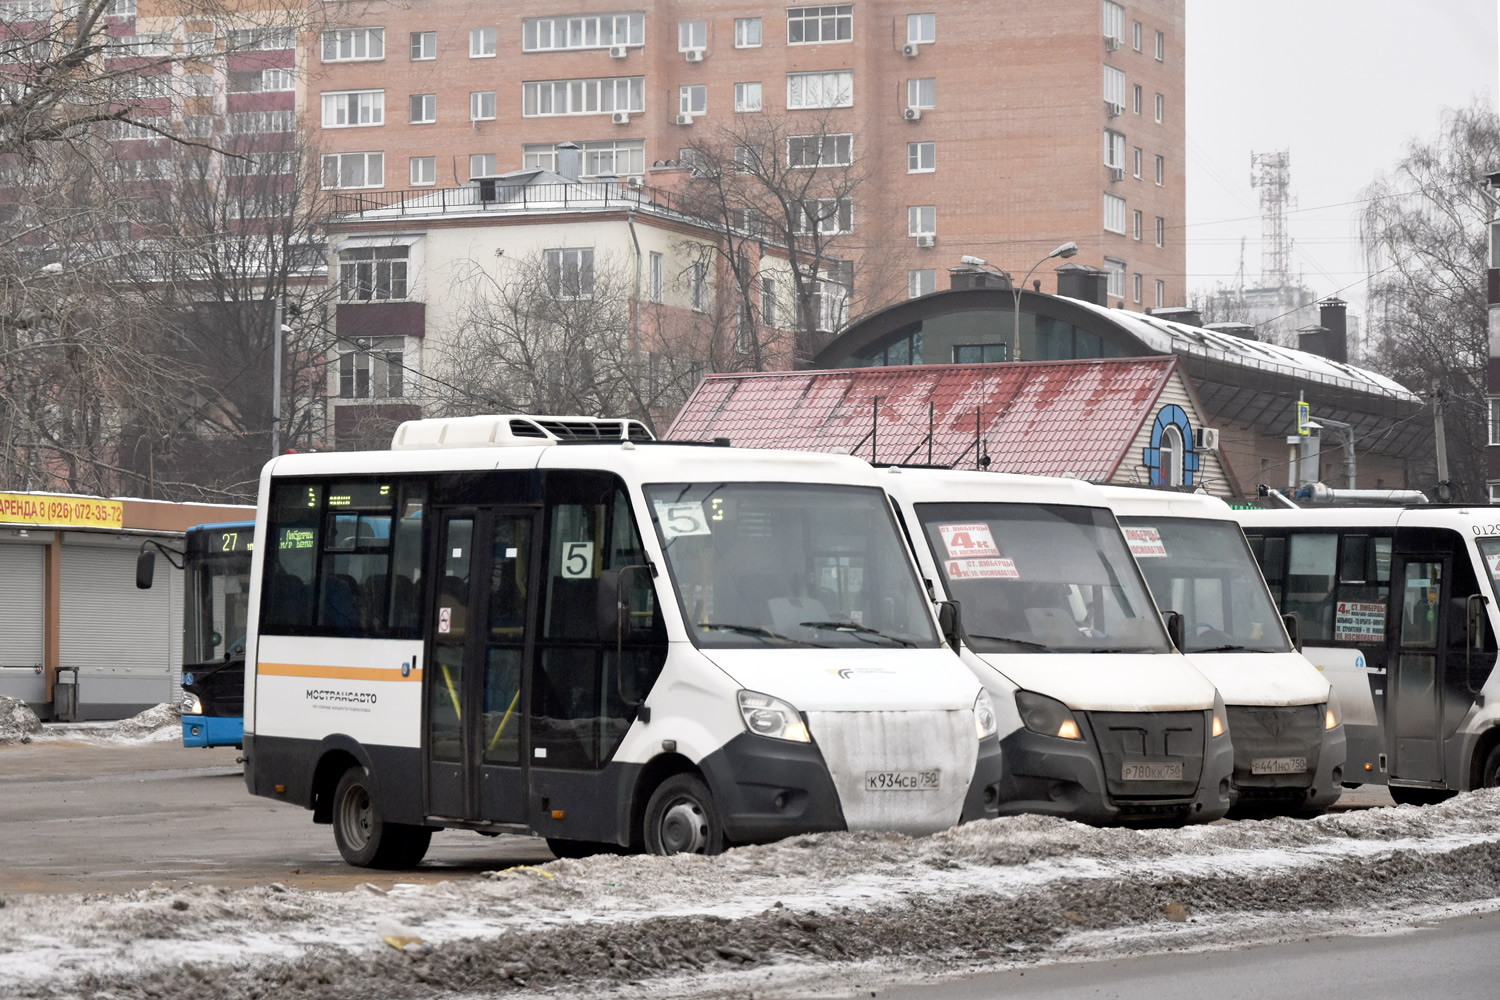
x,y
1271,172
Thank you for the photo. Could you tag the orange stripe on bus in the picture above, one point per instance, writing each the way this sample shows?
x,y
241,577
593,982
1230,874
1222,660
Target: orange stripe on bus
x,y
336,673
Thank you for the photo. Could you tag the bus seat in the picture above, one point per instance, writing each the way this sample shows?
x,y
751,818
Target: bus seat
x,y
787,613
1052,626
339,607
572,608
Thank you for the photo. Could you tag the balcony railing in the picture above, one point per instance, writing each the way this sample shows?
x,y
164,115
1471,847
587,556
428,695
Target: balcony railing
x,y
485,195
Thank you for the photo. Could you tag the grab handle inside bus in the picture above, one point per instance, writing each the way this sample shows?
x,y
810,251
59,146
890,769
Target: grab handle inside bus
x,y
1293,622
1476,621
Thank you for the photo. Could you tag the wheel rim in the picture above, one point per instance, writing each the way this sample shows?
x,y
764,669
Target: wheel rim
x,y
684,828
355,817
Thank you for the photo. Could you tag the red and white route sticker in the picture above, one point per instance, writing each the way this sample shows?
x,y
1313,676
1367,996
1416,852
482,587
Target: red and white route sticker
x,y
1145,543
445,620
982,569
968,541
1494,564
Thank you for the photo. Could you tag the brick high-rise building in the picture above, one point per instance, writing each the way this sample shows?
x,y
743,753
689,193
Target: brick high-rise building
x,y
998,130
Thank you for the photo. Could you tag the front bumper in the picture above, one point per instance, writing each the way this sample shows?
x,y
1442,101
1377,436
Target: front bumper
x,y
212,731
1279,732
769,789
983,800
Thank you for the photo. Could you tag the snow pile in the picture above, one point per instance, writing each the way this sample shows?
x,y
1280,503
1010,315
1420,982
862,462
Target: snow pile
x,y
18,723
158,724
875,907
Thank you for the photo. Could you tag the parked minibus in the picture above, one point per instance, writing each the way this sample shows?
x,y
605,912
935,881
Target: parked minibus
x,y
1101,718
1284,716
1396,605
560,626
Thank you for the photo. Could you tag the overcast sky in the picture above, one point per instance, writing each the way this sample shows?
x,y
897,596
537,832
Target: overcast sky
x,y
1343,85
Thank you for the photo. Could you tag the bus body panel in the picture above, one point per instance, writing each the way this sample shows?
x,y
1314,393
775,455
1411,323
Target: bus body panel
x,y
368,689
1270,679
1129,682
854,680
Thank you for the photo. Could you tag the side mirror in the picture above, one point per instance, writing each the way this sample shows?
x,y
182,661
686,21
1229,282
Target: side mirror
x,y
1176,629
145,569
1477,623
612,612
948,622
1293,622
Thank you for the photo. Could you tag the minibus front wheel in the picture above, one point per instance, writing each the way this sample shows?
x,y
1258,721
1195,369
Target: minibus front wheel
x,y
681,818
364,838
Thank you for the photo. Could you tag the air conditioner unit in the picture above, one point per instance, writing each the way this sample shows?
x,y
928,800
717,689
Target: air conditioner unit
x,y
913,114
620,118
684,119
927,240
693,55
1115,110
1110,43
1208,439
911,50
1115,173
634,182
618,52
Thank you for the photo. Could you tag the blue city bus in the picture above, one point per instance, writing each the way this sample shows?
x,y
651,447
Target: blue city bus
x,y
216,591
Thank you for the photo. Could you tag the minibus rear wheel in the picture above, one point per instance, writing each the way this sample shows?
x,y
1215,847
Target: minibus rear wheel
x,y
365,839
681,818
1489,775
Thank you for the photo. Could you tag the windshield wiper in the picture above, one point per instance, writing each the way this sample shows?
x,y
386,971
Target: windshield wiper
x,y
1230,647
759,631
1027,643
856,627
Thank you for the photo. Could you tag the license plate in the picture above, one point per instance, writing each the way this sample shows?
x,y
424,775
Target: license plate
x,y
1278,765
1152,772
902,781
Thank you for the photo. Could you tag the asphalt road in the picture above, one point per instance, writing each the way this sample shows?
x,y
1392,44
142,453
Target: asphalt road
x,y
91,818
1453,959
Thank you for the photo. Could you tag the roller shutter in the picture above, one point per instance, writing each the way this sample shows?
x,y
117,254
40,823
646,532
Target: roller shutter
x,y
109,628
22,591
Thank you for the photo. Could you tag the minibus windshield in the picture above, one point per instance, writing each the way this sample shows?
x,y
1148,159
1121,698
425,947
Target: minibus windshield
x,y
1203,570
1032,578
763,565
1489,553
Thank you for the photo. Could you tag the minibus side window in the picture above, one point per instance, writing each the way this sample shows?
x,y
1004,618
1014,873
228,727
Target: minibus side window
x,y
292,563
1364,569
1311,564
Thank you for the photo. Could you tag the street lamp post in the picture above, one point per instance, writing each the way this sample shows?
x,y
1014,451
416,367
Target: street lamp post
x,y
1068,249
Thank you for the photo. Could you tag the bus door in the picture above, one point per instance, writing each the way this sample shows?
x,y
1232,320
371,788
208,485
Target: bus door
x,y
480,643
1417,664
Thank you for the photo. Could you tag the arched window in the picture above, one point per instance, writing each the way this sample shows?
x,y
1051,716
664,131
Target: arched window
x,y
1171,456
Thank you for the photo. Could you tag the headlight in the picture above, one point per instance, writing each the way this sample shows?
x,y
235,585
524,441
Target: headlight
x,y
985,723
772,717
1333,712
1221,717
1047,716
190,704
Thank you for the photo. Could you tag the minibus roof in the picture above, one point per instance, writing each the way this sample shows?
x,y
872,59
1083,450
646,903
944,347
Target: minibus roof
x,y
1140,501
958,486
1473,520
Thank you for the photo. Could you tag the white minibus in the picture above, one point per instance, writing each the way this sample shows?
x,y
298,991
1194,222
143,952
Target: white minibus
x,y
1396,605
616,644
1101,719
1284,716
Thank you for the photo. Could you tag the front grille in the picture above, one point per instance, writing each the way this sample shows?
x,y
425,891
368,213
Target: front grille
x,y
1259,733
1149,737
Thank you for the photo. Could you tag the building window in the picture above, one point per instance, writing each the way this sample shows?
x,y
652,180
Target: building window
x,y
829,150
482,43
921,93
372,274
1159,107
1114,23
482,165
980,354
423,171
921,29
768,300
1161,231
588,31
1136,223
1495,493
1114,89
811,25
1114,214
353,44
692,100
820,90
1115,269
482,105
921,157
1161,293
618,157
570,273
1495,420
1135,98
371,367
1137,162
692,35
353,170
353,108
1114,149
1161,169
583,97
238,40
921,220
922,281
828,216
1161,46
1135,288
117,8
747,97
654,276
1135,35
1171,456
697,285
423,109
747,33
255,81
423,45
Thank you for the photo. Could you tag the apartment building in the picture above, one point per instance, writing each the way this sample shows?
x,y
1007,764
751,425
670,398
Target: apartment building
x,y
981,128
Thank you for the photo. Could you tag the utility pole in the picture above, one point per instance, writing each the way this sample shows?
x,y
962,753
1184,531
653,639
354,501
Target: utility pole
x,y
1439,398
276,381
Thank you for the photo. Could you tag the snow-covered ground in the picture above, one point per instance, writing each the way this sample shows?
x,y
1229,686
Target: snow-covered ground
x,y
829,914
19,724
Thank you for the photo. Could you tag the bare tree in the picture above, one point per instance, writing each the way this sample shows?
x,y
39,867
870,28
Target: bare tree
x,y
1424,229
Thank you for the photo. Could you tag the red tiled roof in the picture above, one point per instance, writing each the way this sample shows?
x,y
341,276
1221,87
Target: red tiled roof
x,y
1040,417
